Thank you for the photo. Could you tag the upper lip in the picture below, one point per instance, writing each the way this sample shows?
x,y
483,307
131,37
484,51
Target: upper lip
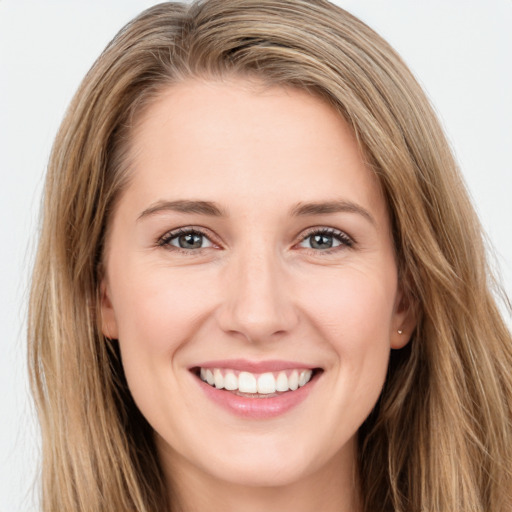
x,y
245,365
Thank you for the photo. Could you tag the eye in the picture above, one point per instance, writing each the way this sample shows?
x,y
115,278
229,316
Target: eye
x,y
325,239
187,239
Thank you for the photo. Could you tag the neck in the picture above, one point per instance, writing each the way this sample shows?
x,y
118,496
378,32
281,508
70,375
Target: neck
x,y
331,488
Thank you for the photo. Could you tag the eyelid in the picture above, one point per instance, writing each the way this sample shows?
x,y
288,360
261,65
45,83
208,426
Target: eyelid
x,y
164,240
346,240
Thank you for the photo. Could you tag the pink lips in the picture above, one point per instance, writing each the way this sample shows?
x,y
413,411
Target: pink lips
x,y
257,408
244,365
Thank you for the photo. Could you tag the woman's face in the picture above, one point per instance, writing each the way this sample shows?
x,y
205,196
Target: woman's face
x,y
252,248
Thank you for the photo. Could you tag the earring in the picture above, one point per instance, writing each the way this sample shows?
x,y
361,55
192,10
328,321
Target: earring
x,y
400,331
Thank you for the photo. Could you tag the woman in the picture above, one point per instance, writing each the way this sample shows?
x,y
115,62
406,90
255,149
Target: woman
x,y
260,283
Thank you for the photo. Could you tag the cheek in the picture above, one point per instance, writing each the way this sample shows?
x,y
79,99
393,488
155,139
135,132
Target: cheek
x,y
154,305
158,312
354,306
353,314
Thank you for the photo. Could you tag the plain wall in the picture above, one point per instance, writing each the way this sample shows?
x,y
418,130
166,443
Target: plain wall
x,y
459,49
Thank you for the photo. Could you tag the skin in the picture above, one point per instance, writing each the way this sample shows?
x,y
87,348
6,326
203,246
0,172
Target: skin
x,y
257,289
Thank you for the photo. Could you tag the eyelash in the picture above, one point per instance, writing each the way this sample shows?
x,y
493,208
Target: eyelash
x,y
346,242
165,241
340,236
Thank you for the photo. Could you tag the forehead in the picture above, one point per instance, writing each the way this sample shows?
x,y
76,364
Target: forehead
x,y
211,138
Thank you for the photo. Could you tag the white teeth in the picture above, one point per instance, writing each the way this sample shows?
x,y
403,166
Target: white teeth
x,y
247,383
209,377
264,383
282,382
230,381
304,377
219,379
293,380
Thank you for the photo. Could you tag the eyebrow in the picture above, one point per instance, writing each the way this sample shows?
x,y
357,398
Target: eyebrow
x,y
327,207
299,210
184,206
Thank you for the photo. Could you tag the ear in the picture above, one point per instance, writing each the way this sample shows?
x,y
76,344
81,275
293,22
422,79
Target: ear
x,y
404,320
108,317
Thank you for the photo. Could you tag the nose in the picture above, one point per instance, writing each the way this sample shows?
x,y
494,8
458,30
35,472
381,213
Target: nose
x,y
257,299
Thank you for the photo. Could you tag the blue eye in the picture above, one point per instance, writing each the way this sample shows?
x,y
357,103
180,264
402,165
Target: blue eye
x,y
325,239
317,239
186,239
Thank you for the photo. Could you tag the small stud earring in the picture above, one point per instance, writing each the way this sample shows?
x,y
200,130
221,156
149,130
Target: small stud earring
x,y
400,331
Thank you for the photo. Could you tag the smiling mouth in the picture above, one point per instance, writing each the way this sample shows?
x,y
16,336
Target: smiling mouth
x,y
256,385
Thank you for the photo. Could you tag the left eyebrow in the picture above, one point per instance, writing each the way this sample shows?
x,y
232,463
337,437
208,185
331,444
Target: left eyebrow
x,y
327,207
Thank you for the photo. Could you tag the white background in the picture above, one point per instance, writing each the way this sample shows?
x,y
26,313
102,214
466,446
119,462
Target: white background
x,y
459,49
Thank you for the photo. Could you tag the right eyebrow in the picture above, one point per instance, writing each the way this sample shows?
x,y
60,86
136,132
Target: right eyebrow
x,y
184,206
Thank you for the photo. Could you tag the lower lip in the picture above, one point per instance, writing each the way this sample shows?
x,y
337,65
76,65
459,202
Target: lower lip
x,y
258,408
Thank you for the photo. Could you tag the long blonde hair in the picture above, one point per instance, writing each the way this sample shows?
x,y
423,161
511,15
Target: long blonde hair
x,y
440,437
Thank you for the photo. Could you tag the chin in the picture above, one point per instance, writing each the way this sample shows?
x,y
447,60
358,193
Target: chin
x,y
268,472
263,462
